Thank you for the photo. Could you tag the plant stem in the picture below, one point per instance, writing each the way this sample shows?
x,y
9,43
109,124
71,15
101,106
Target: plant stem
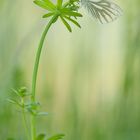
x,y
25,121
26,125
35,71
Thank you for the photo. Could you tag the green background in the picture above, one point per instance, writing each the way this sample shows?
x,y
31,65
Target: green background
x,y
89,80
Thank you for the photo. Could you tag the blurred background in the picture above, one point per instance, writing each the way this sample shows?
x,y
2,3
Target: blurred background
x,y
88,80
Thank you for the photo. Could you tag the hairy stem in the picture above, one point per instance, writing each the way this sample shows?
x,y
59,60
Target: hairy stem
x,y
35,71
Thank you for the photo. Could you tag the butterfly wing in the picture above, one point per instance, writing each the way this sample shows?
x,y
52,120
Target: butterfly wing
x,y
104,11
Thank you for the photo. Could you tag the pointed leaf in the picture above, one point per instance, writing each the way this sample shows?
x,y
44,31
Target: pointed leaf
x,y
14,102
41,137
55,19
66,24
46,4
32,105
50,4
22,91
47,15
75,22
59,3
68,12
56,137
16,92
10,139
42,114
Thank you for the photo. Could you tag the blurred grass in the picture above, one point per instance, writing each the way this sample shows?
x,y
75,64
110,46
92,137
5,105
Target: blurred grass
x,y
89,84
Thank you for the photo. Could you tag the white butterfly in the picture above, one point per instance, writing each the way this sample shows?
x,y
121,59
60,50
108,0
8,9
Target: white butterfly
x,y
103,10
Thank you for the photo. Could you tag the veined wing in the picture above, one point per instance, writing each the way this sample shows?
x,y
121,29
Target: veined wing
x,y
103,10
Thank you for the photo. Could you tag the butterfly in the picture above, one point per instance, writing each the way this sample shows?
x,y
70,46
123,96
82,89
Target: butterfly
x,y
103,10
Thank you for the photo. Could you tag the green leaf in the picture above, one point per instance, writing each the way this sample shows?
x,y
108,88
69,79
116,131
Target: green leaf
x,y
68,12
32,105
42,114
50,4
14,102
59,3
56,137
55,19
66,24
46,4
72,1
10,139
22,91
47,15
32,112
16,92
75,22
41,137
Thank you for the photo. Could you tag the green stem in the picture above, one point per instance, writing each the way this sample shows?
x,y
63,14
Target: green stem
x,y
35,71
25,121
26,125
